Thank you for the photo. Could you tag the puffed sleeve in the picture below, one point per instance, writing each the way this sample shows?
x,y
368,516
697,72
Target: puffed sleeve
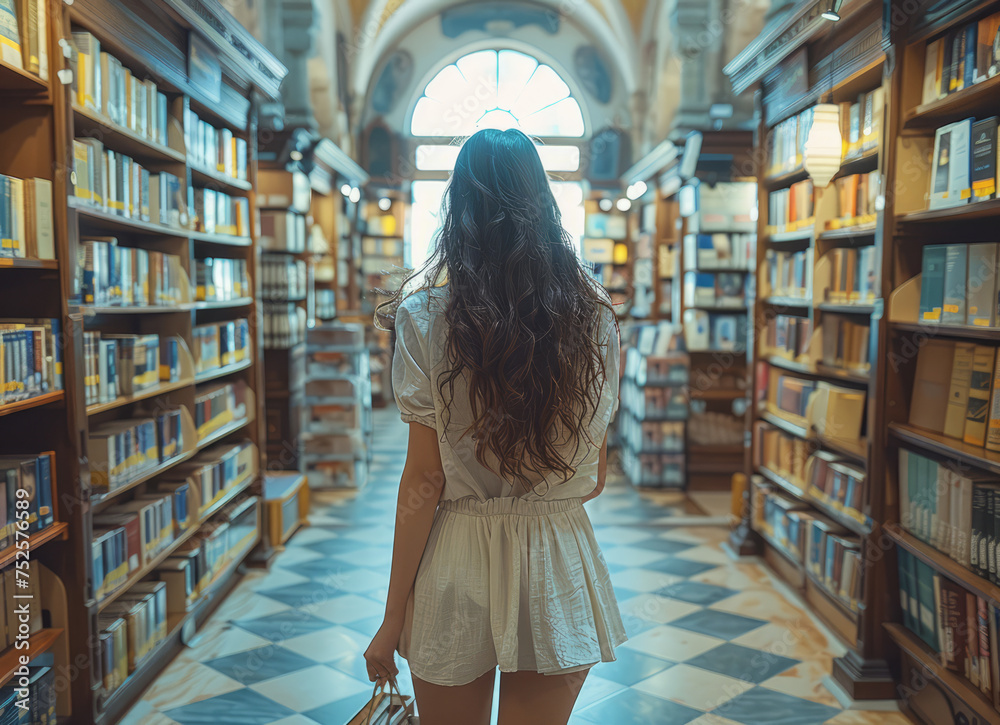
x,y
411,372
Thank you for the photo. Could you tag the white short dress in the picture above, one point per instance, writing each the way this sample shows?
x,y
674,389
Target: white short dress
x,y
518,583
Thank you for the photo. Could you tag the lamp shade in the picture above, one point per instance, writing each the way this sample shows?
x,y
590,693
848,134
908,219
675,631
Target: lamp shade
x,y
824,145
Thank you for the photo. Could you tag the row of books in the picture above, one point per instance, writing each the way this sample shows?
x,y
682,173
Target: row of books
x,y
25,478
218,279
857,200
951,509
656,470
326,304
113,182
284,325
283,278
378,247
787,336
26,218
829,554
959,626
653,402
785,142
652,359
282,231
964,165
788,273
123,365
715,429
103,85
791,209
193,567
723,289
216,149
121,451
955,392
958,285
651,436
829,410
846,343
717,331
129,630
716,251
210,475
117,276
217,213
24,39
30,358
218,405
128,536
853,278
966,56
219,344
838,484
782,453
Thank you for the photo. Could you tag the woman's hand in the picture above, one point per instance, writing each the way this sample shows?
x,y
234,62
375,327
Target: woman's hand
x,y
380,655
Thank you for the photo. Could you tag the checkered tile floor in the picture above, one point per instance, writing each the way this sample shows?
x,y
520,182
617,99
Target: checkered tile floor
x,y
713,640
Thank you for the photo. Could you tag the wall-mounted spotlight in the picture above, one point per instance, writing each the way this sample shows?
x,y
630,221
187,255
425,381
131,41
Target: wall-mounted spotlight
x,y
295,155
384,203
624,204
355,196
345,189
605,204
833,12
636,190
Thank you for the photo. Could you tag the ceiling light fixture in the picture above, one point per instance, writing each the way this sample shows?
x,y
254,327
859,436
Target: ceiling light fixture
x,y
833,13
384,203
624,204
605,204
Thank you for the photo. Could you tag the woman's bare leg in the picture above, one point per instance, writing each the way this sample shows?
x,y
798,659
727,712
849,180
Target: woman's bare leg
x,y
467,704
530,698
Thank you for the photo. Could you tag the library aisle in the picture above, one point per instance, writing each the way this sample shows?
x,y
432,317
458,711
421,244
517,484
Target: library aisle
x,y
713,640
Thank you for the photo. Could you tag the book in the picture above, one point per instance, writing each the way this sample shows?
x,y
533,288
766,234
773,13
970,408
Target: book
x,y
958,391
955,266
10,36
932,282
984,159
981,286
979,395
951,169
952,623
932,381
932,72
993,423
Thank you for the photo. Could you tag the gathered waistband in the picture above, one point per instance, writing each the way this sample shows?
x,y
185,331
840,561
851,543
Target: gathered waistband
x,y
509,505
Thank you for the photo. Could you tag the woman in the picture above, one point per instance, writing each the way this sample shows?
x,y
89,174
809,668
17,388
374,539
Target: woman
x,y
506,369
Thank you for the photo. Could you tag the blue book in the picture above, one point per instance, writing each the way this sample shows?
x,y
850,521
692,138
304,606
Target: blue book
x,y
6,230
932,283
969,66
43,480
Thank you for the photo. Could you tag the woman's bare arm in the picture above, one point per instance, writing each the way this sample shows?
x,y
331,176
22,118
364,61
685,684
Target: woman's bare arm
x,y
602,471
419,492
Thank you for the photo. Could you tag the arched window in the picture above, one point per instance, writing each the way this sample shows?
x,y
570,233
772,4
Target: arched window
x,y
494,89
497,89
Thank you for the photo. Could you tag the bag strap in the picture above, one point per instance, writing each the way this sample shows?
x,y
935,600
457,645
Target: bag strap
x,y
392,686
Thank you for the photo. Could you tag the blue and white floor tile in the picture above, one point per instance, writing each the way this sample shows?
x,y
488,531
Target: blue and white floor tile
x,y
713,640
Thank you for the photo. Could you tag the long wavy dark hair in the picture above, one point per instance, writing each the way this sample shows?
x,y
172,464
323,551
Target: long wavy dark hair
x,y
523,315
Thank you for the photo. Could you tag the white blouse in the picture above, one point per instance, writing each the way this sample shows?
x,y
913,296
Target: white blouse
x,y
514,582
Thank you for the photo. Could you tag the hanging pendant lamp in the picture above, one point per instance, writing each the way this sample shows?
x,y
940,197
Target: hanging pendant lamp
x,y
824,146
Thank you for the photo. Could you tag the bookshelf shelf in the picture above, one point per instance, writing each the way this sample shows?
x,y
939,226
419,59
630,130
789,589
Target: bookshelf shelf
x,y
144,571
849,523
858,377
222,432
790,365
719,450
719,308
222,372
717,394
966,212
778,301
228,240
38,643
19,80
847,234
38,400
94,218
205,177
930,662
91,310
942,563
90,124
787,178
802,236
854,451
961,332
971,101
57,530
28,263
846,309
100,498
135,398
223,304
859,164
945,446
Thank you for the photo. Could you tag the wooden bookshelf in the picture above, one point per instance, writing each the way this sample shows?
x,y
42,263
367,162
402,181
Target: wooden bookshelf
x,y
147,37
53,532
841,61
38,643
909,226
